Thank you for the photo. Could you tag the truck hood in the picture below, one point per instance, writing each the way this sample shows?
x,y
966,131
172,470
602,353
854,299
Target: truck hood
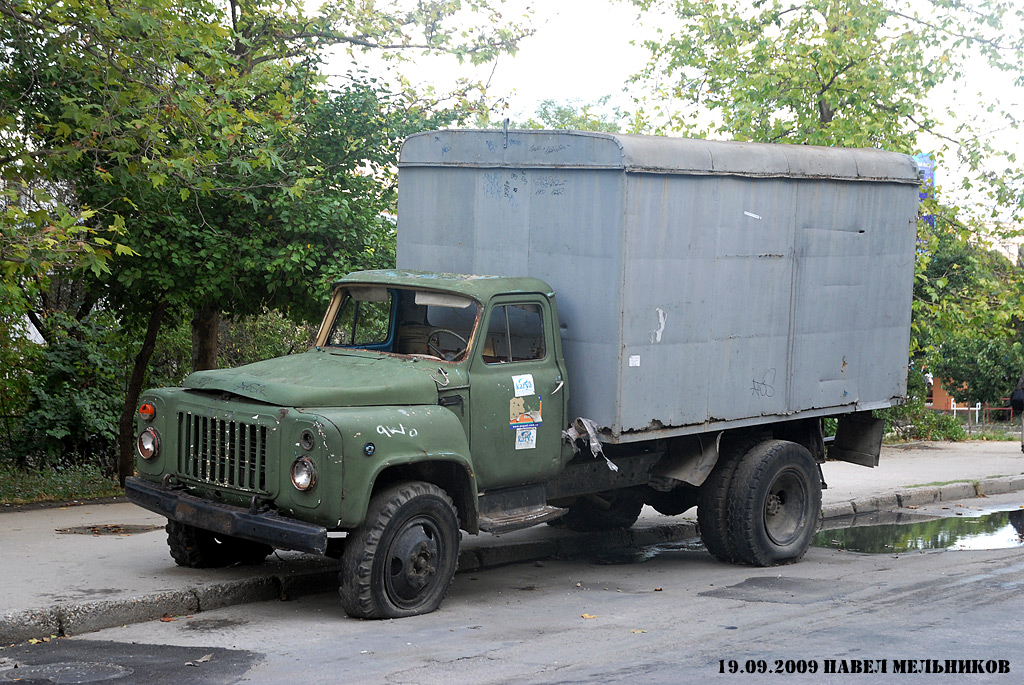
x,y
322,378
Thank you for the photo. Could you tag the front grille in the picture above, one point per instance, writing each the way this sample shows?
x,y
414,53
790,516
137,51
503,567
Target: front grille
x,y
227,453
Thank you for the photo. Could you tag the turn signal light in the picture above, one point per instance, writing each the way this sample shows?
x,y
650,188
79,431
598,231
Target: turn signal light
x,y
147,411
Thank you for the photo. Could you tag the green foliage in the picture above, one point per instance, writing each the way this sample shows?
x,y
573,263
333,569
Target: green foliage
x,y
976,369
74,395
573,116
179,156
960,286
819,73
856,73
244,340
56,484
914,421
17,354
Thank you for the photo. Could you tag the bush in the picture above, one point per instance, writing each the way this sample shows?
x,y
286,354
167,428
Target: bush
x,y
75,395
915,421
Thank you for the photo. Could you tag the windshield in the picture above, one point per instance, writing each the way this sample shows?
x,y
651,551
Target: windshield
x,y
417,323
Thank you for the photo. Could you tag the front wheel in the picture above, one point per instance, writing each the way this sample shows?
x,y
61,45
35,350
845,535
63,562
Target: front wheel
x,y
401,560
774,504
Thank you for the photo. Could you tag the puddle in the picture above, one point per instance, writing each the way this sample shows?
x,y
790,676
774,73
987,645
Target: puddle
x,y
994,530
108,529
634,555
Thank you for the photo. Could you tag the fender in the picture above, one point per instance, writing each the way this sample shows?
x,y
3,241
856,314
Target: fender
x,y
375,439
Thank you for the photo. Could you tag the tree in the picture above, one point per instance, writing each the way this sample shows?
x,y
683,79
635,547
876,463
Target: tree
x,y
977,370
574,116
192,130
961,287
858,73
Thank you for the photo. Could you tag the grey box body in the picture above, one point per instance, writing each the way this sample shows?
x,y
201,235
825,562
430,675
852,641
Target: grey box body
x,y
701,285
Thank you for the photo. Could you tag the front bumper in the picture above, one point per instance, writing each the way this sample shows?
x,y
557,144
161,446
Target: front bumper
x,y
268,527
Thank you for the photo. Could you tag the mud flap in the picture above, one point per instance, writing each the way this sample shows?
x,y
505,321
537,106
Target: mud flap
x,y
858,439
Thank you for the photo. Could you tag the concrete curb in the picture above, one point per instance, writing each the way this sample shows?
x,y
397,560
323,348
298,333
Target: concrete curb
x,y
76,618
915,497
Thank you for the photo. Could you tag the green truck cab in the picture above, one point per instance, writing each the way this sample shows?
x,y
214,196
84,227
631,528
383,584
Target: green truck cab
x,y
379,420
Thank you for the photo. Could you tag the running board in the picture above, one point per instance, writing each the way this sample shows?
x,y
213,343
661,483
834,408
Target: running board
x,y
515,519
509,509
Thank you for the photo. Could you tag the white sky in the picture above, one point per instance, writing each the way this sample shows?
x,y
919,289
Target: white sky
x,y
580,51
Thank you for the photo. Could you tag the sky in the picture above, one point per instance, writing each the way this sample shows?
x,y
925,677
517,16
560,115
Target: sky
x,y
580,51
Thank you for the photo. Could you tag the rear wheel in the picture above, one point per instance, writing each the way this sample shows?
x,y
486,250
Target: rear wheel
x,y
774,504
198,548
713,499
401,560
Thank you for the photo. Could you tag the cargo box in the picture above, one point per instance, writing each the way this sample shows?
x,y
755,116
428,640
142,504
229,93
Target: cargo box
x,y
701,285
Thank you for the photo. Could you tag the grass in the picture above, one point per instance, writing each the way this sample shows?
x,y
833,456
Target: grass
x,y
994,437
19,486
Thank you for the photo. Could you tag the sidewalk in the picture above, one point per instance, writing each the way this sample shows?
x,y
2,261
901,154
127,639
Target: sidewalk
x,y
74,569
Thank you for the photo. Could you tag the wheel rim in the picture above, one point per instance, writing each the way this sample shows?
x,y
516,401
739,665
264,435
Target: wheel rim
x,y
411,571
785,508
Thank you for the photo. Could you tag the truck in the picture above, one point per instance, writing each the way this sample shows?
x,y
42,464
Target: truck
x,y
716,303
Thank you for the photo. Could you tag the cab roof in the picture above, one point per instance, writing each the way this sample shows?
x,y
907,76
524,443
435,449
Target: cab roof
x,y
480,288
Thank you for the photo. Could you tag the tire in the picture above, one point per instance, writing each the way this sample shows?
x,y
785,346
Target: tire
x,y
713,499
198,548
774,504
607,511
401,560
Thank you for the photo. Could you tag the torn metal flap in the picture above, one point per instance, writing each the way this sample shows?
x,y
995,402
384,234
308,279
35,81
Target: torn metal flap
x,y
690,459
582,428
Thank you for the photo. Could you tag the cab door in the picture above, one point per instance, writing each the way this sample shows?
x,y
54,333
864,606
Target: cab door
x,y
517,403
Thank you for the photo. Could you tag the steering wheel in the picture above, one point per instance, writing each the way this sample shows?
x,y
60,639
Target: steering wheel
x,y
434,342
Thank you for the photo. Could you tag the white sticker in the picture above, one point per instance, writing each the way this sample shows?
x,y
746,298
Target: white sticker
x,y
634,360
523,385
526,438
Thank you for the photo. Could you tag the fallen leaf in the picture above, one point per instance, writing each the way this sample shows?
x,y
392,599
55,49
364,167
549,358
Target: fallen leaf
x,y
587,616
637,630
657,589
911,506
166,618
205,659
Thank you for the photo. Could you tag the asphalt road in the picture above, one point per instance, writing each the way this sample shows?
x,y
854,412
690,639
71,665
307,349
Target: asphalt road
x,y
664,615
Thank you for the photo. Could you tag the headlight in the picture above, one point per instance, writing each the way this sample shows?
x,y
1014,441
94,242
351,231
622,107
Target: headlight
x,y
148,443
303,473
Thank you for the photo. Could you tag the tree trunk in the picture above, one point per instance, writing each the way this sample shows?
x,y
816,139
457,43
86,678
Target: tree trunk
x,y
126,424
205,336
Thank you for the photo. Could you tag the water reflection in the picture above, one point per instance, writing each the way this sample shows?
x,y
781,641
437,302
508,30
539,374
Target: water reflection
x,y
996,530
